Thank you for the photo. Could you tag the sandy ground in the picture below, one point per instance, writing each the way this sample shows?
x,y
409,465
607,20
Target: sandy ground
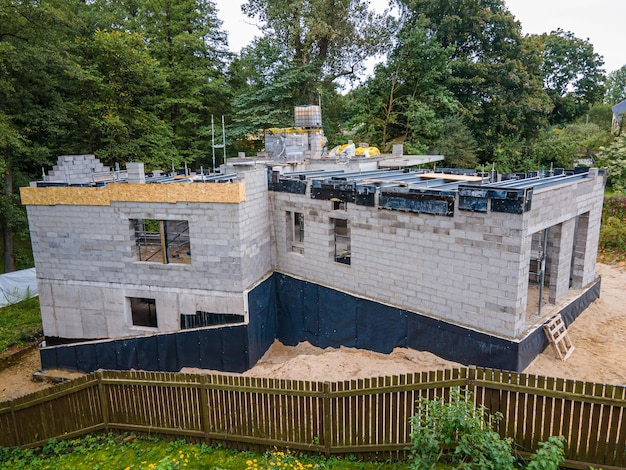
x,y
598,336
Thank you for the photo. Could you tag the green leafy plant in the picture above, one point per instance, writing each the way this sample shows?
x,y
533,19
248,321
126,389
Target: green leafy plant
x,y
612,246
549,455
453,431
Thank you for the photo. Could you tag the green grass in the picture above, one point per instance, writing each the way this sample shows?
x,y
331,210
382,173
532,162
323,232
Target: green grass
x,y
99,452
19,323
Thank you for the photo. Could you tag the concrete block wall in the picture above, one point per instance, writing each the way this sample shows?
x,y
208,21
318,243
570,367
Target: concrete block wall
x,y
255,228
464,269
91,250
560,244
471,269
579,205
78,169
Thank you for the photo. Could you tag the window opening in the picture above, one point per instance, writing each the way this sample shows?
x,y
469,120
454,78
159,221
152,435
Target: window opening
x,y
339,205
342,241
165,241
295,231
202,319
143,311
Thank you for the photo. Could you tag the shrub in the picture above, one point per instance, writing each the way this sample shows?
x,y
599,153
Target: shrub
x,y
459,434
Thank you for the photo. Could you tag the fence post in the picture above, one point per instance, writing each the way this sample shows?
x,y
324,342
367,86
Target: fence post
x,y
104,403
204,408
16,434
326,409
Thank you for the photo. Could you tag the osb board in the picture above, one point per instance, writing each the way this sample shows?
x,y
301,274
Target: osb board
x,y
230,193
65,196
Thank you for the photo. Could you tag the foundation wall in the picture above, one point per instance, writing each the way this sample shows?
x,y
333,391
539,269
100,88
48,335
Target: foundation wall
x,y
96,310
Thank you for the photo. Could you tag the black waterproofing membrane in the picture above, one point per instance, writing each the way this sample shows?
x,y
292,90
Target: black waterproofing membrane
x,y
292,310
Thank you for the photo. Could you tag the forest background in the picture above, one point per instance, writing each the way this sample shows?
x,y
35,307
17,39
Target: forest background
x,y
140,80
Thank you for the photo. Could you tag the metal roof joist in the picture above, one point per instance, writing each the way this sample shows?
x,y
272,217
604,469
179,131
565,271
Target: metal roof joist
x,y
373,174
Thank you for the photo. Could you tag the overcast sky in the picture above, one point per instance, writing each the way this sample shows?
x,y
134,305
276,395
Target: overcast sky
x,y
602,22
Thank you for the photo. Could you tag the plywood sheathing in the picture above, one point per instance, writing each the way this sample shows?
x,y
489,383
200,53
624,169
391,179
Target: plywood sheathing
x,y
228,193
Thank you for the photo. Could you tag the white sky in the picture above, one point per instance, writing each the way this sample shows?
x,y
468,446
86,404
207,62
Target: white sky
x,y
602,22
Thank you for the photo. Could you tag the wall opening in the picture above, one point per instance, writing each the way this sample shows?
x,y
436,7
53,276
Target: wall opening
x,y
203,319
162,241
143,311
341,230
537,278
339,205
295,232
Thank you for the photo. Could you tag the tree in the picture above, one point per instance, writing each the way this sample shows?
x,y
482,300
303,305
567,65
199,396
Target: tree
x,y
613,157
308,47
187,40
494,71
572,75
563,146
114,91
407,97
32,109
616,86
333,37
457,143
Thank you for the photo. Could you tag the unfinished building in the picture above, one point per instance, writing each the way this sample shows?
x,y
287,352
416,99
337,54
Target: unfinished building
x,y
162,272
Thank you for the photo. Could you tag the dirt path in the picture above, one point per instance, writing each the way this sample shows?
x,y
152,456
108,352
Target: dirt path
x,y
598,336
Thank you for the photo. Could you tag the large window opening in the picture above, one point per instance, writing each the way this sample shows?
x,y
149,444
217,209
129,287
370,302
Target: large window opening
x,y
143,311
295,232
162,241
342,241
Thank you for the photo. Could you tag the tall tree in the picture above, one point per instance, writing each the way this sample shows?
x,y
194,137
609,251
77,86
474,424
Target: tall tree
x,y
616,86
333,37
114,91
572,75
187,39
494,71
407,97
307,48
31,106
564,146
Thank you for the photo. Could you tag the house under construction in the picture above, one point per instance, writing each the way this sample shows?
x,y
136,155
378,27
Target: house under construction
x,y
160,272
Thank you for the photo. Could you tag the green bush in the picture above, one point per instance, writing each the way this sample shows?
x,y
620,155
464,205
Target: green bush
x,y
456,433
612,245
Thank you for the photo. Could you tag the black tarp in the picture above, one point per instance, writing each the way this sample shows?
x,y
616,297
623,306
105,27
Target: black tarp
x,y
188,348
168,360
328,318
262,325
376,320
86,358
210,349
234,349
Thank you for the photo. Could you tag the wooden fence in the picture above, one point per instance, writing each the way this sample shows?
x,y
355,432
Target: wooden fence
x,y
365,417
